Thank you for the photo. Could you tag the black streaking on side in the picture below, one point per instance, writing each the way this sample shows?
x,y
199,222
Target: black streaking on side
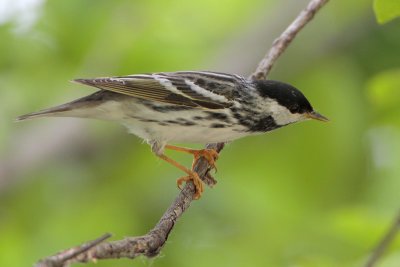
x,y
188,123
218,125
180,122
164,107
264,125
217,116
198,118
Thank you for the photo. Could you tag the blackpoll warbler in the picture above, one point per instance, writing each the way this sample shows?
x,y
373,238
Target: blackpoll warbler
x,y
189,106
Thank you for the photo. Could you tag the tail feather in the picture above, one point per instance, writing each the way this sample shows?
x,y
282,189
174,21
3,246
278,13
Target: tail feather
x,y
81,107
57,111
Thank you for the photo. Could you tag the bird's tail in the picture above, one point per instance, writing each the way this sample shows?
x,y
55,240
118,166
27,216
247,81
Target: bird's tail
x,y
81,108
57,111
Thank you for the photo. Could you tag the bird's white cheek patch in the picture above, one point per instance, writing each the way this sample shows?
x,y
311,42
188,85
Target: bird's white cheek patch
x,y
282,115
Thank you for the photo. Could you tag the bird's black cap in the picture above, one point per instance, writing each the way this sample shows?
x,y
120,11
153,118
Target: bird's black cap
x,y
285,94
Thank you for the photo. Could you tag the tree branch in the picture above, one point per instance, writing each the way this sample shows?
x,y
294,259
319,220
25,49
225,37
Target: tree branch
x,y
283,41
384,243
62,258
151,244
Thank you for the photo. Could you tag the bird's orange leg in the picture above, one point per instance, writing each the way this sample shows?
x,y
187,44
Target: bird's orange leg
x,y
209,154
193,176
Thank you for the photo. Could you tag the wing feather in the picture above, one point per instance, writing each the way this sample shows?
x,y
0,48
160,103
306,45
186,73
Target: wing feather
x,y
180,88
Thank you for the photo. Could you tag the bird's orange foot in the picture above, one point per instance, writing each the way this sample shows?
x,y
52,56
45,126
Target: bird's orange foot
x,y
209,154
198,184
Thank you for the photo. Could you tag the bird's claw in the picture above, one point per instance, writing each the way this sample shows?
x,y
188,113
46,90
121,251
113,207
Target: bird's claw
x,y
211,155
198,183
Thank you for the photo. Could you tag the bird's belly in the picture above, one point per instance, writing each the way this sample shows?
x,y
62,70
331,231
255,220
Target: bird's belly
x,y
182,125
170,123
201,134
184,133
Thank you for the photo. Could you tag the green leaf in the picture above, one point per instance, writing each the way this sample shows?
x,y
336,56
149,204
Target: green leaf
x,y
386,10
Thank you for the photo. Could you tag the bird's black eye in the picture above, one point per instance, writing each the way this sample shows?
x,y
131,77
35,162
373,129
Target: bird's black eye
x,y
294,108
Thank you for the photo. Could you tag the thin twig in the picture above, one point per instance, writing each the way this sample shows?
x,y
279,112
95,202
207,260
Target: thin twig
x,y
151,244
62,258
282,42
384,243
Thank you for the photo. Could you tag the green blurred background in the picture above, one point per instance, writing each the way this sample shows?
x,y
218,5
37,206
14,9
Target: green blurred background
x,y
312,194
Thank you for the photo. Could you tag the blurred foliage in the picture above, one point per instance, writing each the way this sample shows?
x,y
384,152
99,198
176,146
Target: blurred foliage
x,y
384,95
307,195
386,10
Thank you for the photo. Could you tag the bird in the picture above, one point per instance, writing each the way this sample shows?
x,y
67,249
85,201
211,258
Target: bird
x,y
202,107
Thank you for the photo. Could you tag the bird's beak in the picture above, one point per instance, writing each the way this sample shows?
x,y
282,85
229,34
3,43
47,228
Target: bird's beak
x,y
316,116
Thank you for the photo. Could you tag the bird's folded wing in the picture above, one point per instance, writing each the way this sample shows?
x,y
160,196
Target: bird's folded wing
x,y
179,88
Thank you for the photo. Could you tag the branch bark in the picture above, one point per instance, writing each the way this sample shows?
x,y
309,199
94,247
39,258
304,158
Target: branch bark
x,y
151,243
384,243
